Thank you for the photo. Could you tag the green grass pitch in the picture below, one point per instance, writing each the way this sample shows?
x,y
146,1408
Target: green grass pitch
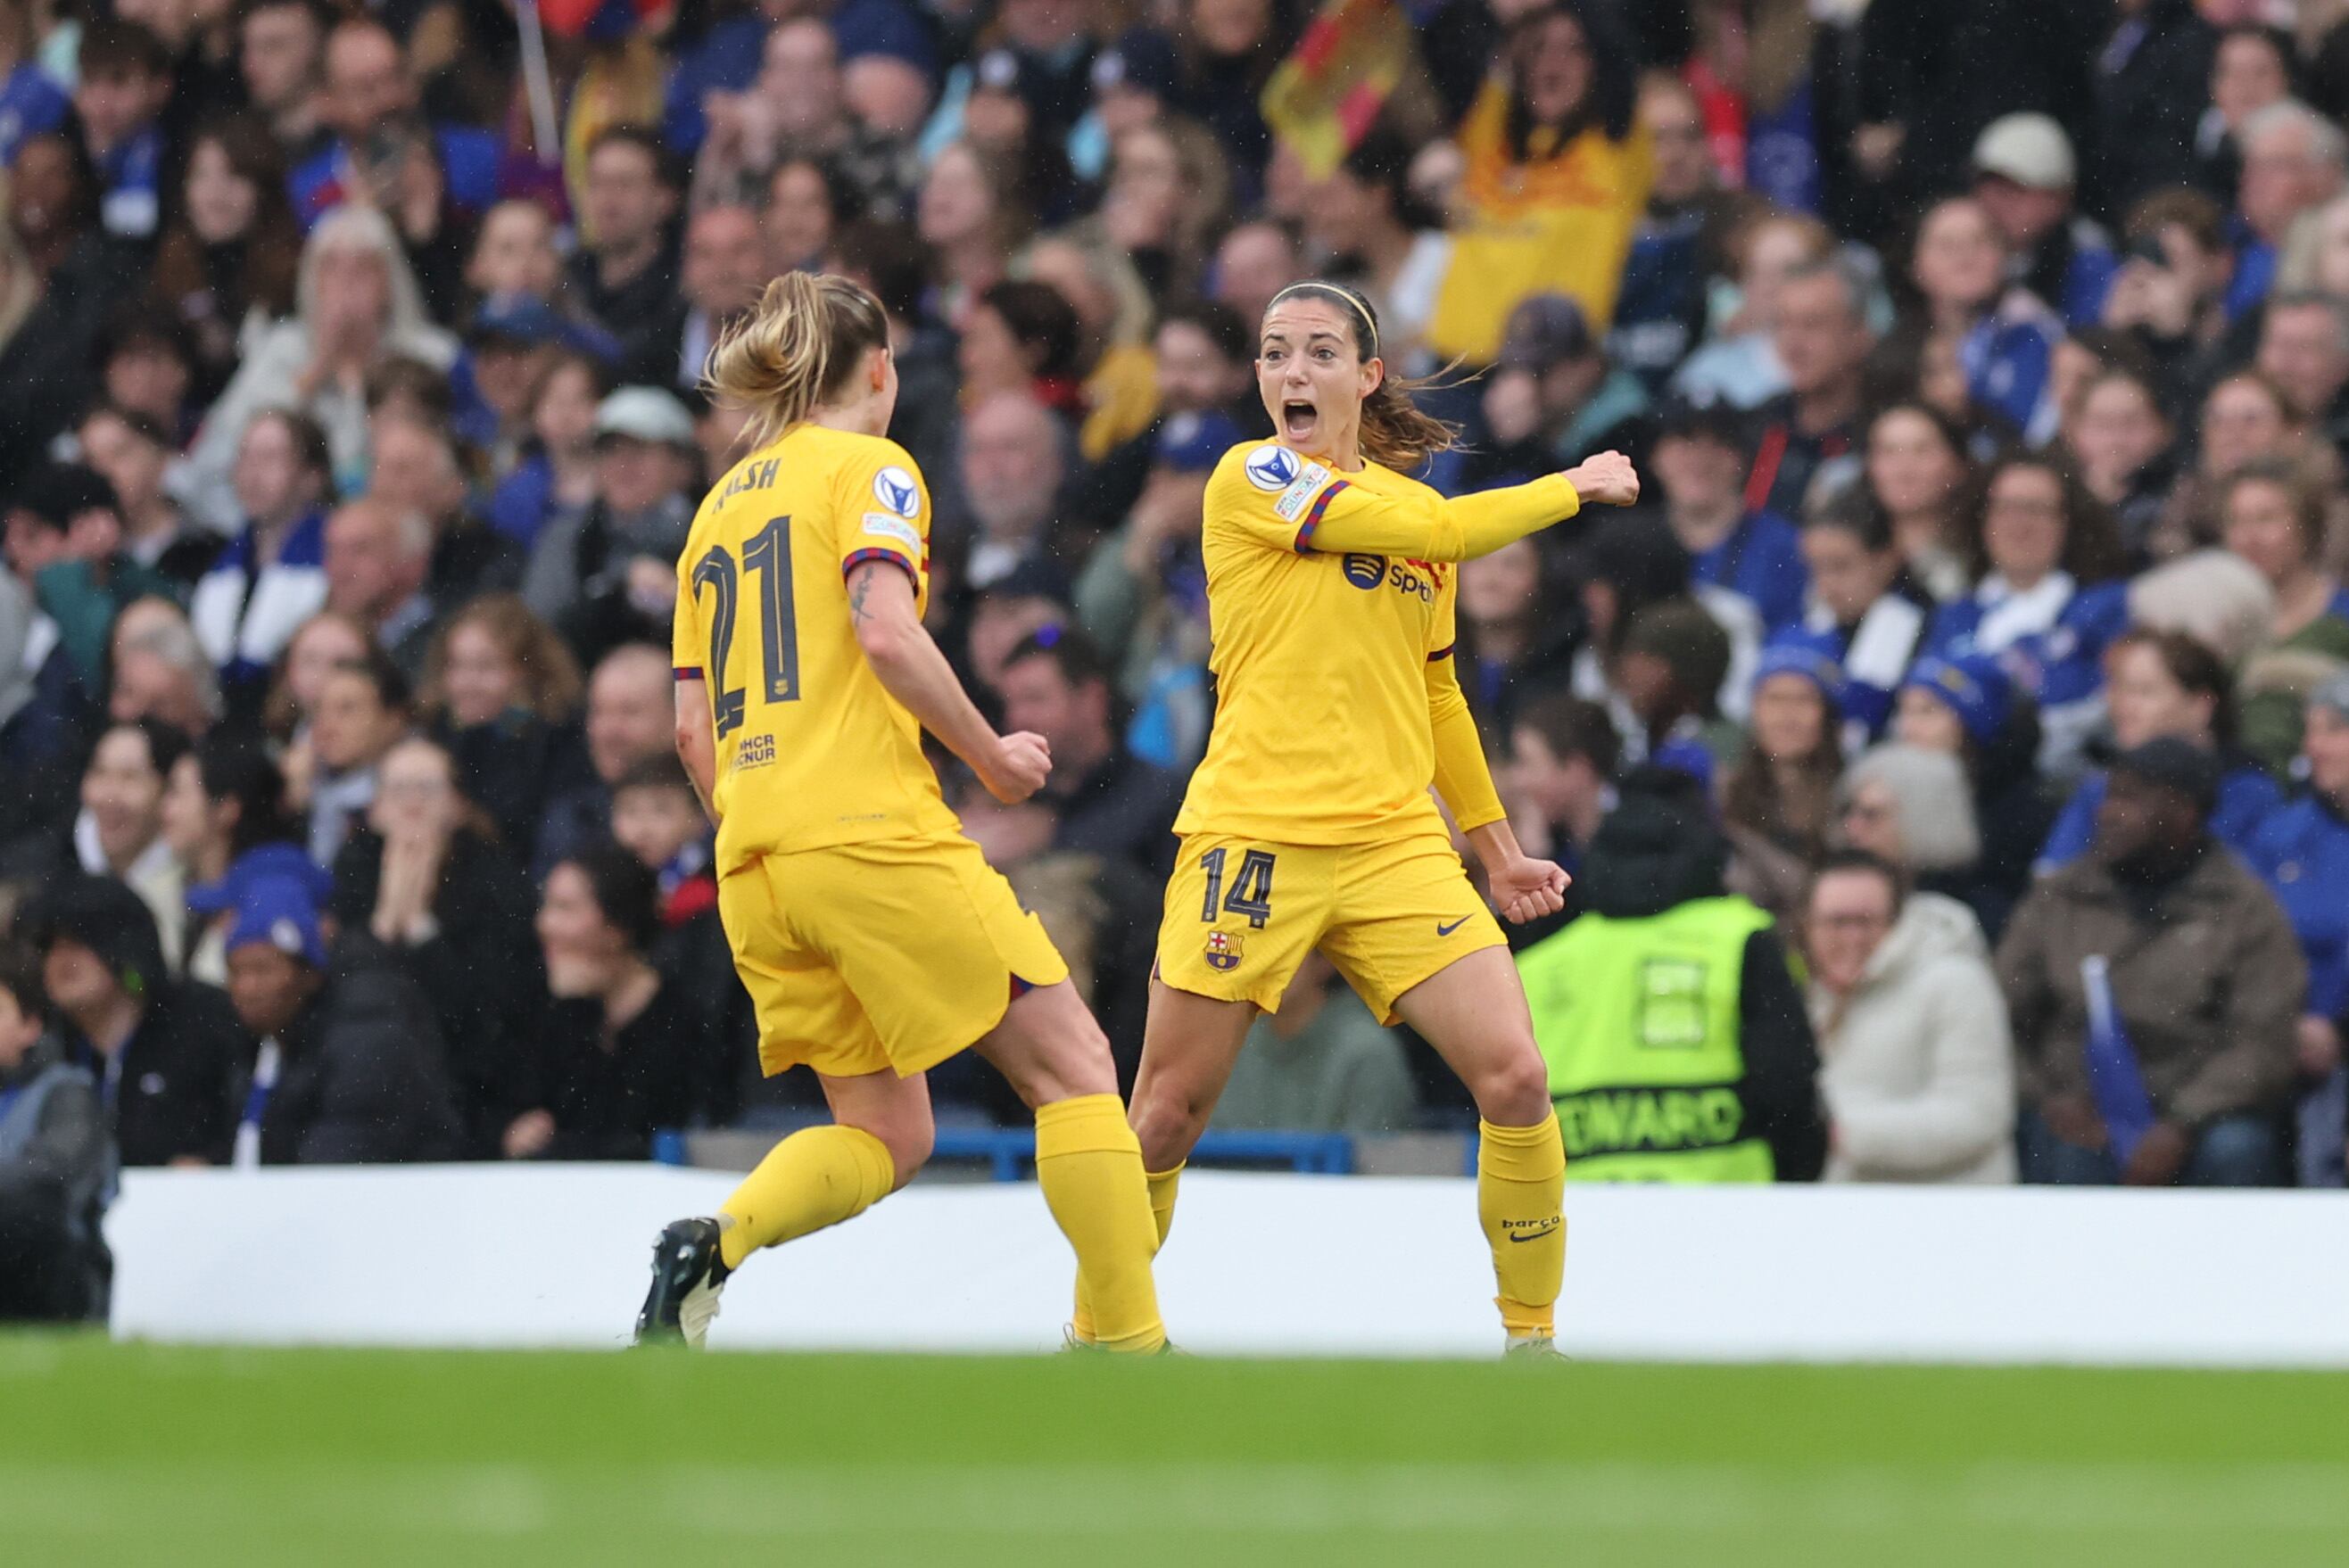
x,y
150,1456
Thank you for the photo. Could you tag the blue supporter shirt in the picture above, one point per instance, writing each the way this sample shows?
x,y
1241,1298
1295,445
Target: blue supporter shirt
x,y
2301,852
2086,284
469,167
132,178
2009,358
1760,561
523,500
2246,799
2059,661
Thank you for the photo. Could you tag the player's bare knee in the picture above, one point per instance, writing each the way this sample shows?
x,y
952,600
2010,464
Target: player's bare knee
x,y
1168,1124
1514,1090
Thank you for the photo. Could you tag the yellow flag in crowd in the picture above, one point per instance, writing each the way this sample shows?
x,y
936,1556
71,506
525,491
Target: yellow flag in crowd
x,y
1332,86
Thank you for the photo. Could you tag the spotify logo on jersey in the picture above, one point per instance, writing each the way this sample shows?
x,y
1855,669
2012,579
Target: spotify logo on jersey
x,y
1365,572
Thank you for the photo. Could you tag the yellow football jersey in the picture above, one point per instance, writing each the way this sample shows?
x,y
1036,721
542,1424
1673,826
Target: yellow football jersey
x,y
1331,646
811,748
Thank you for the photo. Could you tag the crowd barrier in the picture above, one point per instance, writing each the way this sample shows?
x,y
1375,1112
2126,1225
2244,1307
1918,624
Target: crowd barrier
x,y
1258,1265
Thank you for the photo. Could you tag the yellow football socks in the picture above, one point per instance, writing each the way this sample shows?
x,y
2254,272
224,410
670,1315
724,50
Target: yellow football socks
x,y
1162,1210
816,1177
1090,1166
1520,1199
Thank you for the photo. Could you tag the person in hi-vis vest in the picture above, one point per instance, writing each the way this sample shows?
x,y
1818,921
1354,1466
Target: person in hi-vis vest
x,y
1677,1042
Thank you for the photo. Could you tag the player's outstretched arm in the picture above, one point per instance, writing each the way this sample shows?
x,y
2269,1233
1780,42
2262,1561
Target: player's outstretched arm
x,y
899,648
1345,519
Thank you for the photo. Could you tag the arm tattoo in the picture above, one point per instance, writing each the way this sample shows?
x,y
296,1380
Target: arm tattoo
x,y
857,590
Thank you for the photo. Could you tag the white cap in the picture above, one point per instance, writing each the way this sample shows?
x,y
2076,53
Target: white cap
x,y
2029,150
645,414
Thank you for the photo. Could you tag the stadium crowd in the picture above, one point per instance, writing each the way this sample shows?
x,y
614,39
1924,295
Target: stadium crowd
x,y
1981,634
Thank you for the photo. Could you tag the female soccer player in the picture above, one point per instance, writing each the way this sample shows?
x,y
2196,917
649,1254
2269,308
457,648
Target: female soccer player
x,y
1308,824
874,940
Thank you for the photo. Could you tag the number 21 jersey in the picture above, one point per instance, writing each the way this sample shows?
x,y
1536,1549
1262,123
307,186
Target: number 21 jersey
x,y
811,748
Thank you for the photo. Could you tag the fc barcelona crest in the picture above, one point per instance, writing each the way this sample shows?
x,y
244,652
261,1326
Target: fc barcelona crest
x,y
1223,951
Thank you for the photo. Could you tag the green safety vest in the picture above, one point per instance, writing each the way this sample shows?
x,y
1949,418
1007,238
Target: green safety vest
x,y
1637,1020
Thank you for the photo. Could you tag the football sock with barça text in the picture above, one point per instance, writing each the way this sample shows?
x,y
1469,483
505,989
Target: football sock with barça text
x,y
816,1177
1162,1210
1520,1199
1090,1165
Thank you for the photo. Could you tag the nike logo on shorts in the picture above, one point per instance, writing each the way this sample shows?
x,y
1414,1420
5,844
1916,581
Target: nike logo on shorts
x,y
1443,930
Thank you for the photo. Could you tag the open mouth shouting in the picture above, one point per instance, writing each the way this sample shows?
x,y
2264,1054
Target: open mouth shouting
x,y
1298,420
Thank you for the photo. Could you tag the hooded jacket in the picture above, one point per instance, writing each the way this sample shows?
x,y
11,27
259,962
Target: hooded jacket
x,y
1918,1066
1659,849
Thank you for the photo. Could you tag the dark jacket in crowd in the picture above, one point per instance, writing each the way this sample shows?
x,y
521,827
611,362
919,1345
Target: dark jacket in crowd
x,y
166,1092
577,819
1123,810
480,974
513,767
46,370
363,1080
169,1090
2152,84
2206,973
697,966
609,1091
57,1171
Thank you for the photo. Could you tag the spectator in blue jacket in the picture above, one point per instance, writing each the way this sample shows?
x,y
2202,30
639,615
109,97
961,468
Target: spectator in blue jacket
x,y
2004,335
2301,851
2166,684
2047,600
1700,463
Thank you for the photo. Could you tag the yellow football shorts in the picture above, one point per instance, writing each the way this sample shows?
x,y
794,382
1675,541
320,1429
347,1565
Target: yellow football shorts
x,y
1242,914
893,953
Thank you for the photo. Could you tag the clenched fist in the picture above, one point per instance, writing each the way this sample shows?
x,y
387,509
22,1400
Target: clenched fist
x,y
1607,480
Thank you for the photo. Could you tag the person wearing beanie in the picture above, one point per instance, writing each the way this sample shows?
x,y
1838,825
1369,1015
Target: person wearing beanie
x,y
2166,684
162,1051
2301,852
1970,709
349,1067
1783,790
2165,960
1630,977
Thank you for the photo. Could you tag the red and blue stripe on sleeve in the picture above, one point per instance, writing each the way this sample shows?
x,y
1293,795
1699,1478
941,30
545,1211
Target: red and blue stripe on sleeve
x,y
1313,518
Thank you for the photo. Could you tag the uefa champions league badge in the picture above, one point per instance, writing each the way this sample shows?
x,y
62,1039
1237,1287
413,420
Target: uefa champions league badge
x,y
1223,951
894,487
1271,467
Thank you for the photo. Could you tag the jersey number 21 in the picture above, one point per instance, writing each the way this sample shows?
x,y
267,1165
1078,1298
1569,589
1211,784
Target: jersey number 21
x,y
767,558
